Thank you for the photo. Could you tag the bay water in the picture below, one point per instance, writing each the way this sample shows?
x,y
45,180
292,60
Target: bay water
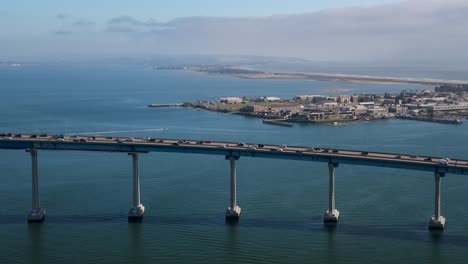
x,y
384,212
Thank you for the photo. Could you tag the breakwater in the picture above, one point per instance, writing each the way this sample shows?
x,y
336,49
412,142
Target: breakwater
x,y
163,105
277,122
454,121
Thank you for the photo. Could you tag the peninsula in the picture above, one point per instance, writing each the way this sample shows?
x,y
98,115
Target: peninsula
x,y
446,104
239,72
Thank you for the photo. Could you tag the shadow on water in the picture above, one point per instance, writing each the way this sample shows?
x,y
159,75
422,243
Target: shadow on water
x,y
232,243
35,238
135,246
438,239
330,228
232,221
417,232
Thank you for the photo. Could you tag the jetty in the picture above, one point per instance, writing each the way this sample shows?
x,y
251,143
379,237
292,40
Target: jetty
x,y
163,105
277,122
452,121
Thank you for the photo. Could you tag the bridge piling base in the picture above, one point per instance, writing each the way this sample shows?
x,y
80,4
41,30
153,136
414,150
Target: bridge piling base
x,y
437,224
331,217
36,215
136,213
233,213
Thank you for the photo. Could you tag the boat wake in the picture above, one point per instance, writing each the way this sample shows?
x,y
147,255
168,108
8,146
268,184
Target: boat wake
x,y
119,131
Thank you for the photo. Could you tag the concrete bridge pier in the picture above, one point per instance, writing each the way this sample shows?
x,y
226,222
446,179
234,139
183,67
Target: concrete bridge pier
x,y
137,210
437,222
331,214
37,213
233,211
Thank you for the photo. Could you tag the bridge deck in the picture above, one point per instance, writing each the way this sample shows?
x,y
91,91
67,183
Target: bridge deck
x,y
120,144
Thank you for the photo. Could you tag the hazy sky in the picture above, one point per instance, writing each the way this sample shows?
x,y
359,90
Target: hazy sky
x,y
164,10
339,30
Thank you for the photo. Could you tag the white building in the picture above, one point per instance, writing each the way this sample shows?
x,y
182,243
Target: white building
x,y
306,97
271,99
367,104
360,109
376,111
231,100
344,99
446,107
329,104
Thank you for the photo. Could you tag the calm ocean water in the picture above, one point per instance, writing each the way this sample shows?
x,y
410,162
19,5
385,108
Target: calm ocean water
x,y
87,195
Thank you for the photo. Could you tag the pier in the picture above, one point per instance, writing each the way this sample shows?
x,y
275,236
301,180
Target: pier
x,y
164,105
277,122
232,152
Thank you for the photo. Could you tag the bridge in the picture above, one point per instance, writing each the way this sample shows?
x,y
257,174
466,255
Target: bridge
x,y
232,151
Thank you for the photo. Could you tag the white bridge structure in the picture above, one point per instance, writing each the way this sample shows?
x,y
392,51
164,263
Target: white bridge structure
x,y
232,151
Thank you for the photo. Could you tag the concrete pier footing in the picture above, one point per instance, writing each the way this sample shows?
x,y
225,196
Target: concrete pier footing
x,y
331,217
36,215
136,213
437,223
233,213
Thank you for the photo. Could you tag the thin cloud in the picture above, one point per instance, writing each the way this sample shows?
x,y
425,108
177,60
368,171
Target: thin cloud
x,y
63,32
62,16
83,23
128,24
130,21
413,30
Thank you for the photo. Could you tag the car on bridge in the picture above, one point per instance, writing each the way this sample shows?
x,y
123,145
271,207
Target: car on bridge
x,y
444,161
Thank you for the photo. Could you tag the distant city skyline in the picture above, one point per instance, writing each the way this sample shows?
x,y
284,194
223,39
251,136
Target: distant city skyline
x,y
345,30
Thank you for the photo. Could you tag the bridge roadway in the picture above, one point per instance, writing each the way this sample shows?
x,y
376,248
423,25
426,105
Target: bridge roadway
x,y
232,151
142,145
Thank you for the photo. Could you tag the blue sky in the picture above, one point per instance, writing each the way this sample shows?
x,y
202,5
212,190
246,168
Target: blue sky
x,y
164,10
168,9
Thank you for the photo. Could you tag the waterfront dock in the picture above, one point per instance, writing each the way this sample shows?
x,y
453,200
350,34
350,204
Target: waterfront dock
x,y
164,105
452,121
277,122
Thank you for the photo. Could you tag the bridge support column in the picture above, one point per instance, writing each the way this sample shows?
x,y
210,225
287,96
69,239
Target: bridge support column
x,y
37,213
331,214
437,221
233,211
137,210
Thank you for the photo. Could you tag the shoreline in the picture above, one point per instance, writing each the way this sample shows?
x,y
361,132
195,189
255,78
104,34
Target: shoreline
x,y
341,78
340,121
